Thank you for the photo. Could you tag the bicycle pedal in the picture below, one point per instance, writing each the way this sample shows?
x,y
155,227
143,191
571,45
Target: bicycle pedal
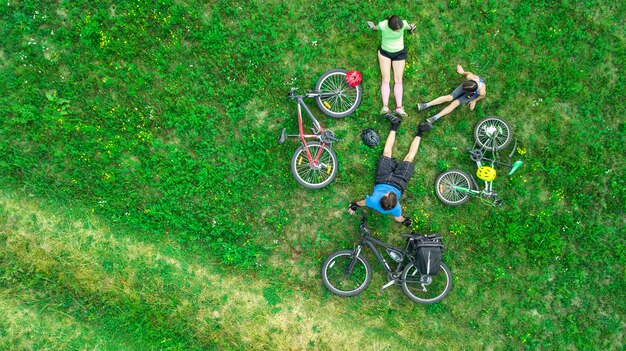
x,y
390,283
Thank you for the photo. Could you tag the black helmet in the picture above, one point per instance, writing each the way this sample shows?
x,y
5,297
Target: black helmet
x,y
370,137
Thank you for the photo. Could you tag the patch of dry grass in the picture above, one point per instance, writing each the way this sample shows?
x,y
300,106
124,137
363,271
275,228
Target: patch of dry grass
x,y
81,253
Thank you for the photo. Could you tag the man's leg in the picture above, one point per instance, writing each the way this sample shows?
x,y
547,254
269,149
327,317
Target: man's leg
x,y
415,145
391,139
444,112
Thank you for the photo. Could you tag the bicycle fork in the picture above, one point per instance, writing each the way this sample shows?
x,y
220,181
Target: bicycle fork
x,y
355,257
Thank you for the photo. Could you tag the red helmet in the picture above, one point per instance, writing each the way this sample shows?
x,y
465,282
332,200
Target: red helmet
x,y
354,78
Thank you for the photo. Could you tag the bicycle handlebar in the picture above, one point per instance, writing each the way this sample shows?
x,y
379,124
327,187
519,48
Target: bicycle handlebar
x,y
362,227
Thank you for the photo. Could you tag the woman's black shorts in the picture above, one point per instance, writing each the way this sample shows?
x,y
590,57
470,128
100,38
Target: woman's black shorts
x,y
394,56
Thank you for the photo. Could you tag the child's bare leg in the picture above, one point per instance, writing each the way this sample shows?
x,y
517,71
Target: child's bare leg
x,y
437,101
444,112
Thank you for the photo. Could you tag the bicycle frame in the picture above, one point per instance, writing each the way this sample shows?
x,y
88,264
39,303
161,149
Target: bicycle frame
x,y
478,156
318,130
371,243
392,274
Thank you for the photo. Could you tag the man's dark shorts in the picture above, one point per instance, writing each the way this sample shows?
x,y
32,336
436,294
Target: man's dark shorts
x,y
393,173
393,56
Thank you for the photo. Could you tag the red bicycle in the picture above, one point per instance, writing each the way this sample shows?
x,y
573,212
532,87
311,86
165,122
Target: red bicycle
x,y
314,163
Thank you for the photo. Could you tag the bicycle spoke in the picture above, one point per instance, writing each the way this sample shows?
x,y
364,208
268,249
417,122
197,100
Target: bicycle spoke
x,y
315,174
345,96
426,288
448,184
337,99
487,130
337,275
453,187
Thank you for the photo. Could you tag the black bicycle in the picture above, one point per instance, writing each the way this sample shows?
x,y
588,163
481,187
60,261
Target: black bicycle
x,y
348,273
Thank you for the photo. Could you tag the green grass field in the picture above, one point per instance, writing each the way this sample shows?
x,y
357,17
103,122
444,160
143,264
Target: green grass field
x,y
146,205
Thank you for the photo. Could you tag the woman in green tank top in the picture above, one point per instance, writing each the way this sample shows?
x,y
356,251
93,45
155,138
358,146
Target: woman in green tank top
x,y
392,54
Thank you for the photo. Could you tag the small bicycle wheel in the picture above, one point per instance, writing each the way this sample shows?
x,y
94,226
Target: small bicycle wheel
x,y
426,288
338,278
445,187
338,99
318,174
493,133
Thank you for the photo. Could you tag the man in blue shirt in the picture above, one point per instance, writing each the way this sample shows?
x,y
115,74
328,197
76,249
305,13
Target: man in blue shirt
x,y
391,176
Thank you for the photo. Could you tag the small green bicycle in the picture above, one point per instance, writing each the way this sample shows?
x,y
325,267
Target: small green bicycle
x,y
454,187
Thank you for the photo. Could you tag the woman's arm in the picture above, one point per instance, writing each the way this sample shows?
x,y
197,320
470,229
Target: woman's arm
x,y
481,94
412,27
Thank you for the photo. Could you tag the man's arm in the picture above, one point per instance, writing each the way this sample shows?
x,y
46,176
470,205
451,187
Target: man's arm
x,y
406,221
355,205
371,25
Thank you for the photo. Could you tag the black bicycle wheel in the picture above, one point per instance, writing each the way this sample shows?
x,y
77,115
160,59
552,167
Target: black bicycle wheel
x,y
338,279
426,289
314,176
493,133
445,187
339,99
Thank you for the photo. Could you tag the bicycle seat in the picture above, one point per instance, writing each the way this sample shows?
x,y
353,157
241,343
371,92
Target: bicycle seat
x,y
282,137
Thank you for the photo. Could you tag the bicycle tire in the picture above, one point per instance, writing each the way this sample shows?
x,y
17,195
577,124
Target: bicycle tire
x,y
312,176
504,136
440,284
338,283
346,98
445,183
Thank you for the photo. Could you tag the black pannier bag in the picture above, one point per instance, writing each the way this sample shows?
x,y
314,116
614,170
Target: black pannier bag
x,y
427,251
